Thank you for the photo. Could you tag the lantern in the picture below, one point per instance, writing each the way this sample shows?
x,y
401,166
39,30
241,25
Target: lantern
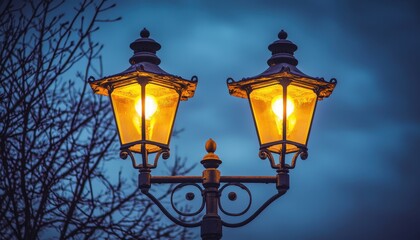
x,y
282,100
145,98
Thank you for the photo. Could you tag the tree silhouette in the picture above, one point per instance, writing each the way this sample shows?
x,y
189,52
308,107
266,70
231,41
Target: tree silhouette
x,y
57,137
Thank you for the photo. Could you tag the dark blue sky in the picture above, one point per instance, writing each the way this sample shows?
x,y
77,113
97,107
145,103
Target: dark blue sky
x,y
361,178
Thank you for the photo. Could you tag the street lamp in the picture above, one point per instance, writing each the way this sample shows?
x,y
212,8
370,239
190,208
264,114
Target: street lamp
x,y
283,102
145,100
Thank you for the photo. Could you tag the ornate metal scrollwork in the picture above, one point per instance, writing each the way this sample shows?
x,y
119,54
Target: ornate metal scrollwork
x,y
256,213
169,215
230,80
264,153
194,78
189,196
303,153
232,196
125,152
91,79
165,155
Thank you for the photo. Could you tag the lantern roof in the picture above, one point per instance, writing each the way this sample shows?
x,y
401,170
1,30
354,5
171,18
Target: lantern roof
x,y
282,64
144,67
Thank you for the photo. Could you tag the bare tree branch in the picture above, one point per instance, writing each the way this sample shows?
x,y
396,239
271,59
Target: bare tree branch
x,y
56,137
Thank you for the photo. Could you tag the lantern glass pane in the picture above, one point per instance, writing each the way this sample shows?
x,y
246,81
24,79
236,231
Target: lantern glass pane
x,y
304,100
268,109
160,112
128,121
269,130
161,104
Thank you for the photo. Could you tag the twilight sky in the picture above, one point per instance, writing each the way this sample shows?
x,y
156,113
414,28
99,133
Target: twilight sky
x,y
360,180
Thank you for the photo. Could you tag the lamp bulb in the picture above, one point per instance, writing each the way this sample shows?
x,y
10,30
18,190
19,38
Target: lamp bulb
x,y
277,107
151,106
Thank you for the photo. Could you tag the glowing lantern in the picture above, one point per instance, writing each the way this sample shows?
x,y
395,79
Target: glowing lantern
x,y
282,100
145,99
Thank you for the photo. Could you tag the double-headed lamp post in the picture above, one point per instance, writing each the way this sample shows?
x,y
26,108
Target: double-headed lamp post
x,y
145,100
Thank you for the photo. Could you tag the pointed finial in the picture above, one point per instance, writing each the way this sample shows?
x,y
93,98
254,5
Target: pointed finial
x,y
144,49
282,51
282,34
211,146
144,33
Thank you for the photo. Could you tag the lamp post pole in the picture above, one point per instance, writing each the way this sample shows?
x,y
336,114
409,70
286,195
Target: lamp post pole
x,y
211,226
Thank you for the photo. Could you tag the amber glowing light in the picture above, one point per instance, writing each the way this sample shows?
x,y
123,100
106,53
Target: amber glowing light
x,y
277,108
151,106
268,110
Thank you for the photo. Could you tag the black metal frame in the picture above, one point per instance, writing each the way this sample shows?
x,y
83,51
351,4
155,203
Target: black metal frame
x,y
211,222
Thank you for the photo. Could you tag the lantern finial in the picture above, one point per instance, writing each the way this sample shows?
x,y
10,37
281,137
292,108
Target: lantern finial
x,y
282,51
282,34
144,33
144,49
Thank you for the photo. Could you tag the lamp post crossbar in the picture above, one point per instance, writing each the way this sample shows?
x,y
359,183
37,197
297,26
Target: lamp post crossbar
x,y
223,179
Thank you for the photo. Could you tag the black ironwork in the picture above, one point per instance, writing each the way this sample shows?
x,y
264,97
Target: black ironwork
x,y
145,49
282,51
256,213
265,153
126,152
232,196
144,69
211,222
189,196
168,214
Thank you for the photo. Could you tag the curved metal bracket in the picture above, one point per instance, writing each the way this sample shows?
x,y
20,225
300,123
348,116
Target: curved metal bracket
x,y
264,153
169,215
230,80
125,152
91,79
165,155
256,213
303,153
189,196
194,78
232,197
